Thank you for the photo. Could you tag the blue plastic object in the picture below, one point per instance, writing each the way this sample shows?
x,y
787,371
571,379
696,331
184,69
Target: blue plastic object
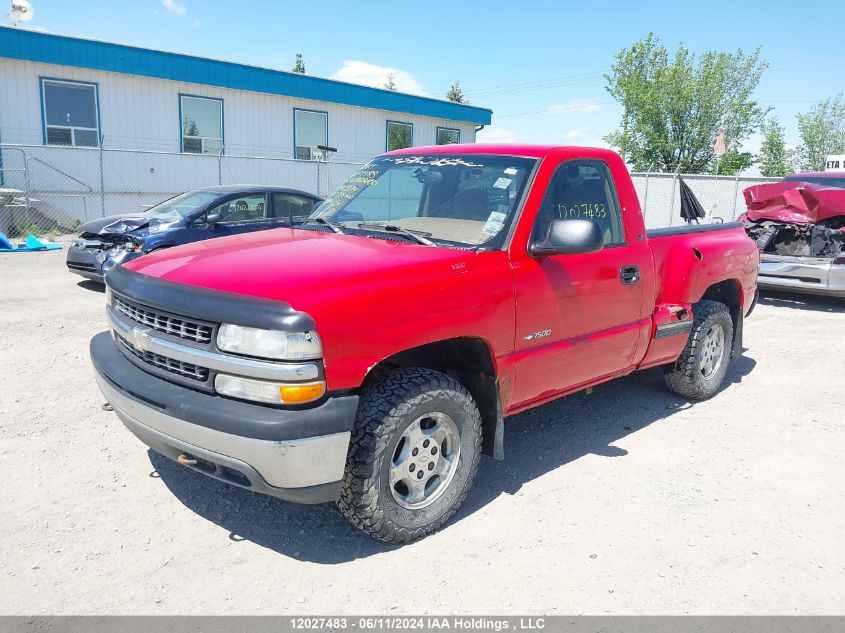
x,y
5,244
35,244
31,244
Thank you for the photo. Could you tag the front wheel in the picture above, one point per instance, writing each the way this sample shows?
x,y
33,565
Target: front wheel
x,y
700,369
413,455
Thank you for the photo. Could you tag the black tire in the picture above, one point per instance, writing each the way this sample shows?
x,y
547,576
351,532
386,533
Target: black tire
x,y
387,409
688,376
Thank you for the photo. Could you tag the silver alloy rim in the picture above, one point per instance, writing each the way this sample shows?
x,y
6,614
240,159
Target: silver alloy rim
x,y
425,461
712,350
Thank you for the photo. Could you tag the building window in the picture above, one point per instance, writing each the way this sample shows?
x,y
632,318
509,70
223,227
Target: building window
x,y
202,124
399,135
448,136
310,130
70,113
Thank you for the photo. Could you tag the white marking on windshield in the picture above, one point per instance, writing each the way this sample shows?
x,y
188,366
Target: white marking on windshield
x,y
434,162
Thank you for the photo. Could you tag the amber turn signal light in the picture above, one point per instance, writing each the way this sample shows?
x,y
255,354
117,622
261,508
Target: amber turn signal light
x,y
298,394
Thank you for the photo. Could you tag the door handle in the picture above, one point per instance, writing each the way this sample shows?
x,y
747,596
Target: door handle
x,y
629,274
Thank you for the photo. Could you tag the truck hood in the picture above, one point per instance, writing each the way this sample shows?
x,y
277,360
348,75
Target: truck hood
x,y
302,267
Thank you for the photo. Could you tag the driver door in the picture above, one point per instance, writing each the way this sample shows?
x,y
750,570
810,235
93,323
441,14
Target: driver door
x,y
578,317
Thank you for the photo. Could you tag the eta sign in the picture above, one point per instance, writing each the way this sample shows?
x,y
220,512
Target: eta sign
x,y
835,162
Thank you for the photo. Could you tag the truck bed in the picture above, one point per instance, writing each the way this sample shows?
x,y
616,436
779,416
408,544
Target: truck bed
x,y
707,251
684,229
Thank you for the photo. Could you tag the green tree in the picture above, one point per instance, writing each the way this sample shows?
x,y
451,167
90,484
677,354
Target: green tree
x,y
822,132
455,93
390,84
733,162
674,106
774,158
299,66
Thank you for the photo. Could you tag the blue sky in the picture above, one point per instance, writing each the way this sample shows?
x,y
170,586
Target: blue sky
x,y
537,65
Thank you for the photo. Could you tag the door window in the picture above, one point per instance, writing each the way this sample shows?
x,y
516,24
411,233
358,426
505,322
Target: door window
x,y
582,189
243,209
287,206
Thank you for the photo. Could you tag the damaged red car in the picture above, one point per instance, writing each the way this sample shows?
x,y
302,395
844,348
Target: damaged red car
x,y
799,226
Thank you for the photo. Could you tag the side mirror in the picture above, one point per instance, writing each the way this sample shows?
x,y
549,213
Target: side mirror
x,y
213,218
569,237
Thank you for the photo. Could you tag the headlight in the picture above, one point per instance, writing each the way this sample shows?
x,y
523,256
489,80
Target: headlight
x,y
262,391
273,344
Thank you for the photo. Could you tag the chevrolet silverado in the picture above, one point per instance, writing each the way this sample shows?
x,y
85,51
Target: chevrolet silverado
x,y
372,353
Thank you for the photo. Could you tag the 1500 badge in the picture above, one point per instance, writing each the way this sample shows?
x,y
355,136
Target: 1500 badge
x,y
536,335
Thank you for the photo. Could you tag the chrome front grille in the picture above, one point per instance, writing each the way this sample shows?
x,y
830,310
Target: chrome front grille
x,y
167,323
186,370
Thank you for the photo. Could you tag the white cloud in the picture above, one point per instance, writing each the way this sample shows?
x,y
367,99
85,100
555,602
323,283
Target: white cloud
x,y
576,105
581,137
496,135
752,144
358,72
197,23
175,7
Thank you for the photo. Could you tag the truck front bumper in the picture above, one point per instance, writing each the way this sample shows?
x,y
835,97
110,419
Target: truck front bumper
x,y
811,275
297,455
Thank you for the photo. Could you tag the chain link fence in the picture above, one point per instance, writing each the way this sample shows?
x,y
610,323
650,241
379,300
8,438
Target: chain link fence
x,y
721,196
54,188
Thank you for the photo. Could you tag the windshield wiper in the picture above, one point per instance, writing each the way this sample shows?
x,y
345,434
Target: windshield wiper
x,y
334,227
417,236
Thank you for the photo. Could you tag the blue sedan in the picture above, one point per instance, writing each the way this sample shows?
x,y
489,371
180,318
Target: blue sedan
x,y
189,217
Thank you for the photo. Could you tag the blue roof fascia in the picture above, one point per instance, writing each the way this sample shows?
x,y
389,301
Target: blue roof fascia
x,y
49,48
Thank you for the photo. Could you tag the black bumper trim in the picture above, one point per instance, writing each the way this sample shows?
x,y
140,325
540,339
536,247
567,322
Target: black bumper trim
x,y
210,305
334,415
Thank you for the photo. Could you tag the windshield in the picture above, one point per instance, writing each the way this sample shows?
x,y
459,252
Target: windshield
x,y
465,200
181,206
818,180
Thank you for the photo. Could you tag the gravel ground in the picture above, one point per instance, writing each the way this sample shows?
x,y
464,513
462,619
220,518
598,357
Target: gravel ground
x,y
630,500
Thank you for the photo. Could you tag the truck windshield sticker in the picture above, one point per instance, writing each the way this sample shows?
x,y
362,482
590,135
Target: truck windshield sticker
x,y
494,223
502,183
435,162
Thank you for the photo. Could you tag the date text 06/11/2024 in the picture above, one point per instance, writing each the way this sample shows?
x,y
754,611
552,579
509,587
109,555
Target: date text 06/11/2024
x,y
417,623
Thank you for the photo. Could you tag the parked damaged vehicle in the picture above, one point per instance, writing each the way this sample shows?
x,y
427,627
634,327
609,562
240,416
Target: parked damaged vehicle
x,y
189,217
799,227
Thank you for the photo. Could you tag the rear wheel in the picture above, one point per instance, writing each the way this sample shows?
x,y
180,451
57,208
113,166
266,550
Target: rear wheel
x,y
413,455
700,369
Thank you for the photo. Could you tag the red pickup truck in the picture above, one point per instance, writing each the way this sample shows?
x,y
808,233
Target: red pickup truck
x,y
371,354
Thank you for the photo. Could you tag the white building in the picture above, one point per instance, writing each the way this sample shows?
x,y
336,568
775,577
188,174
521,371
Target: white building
x,y
59,92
